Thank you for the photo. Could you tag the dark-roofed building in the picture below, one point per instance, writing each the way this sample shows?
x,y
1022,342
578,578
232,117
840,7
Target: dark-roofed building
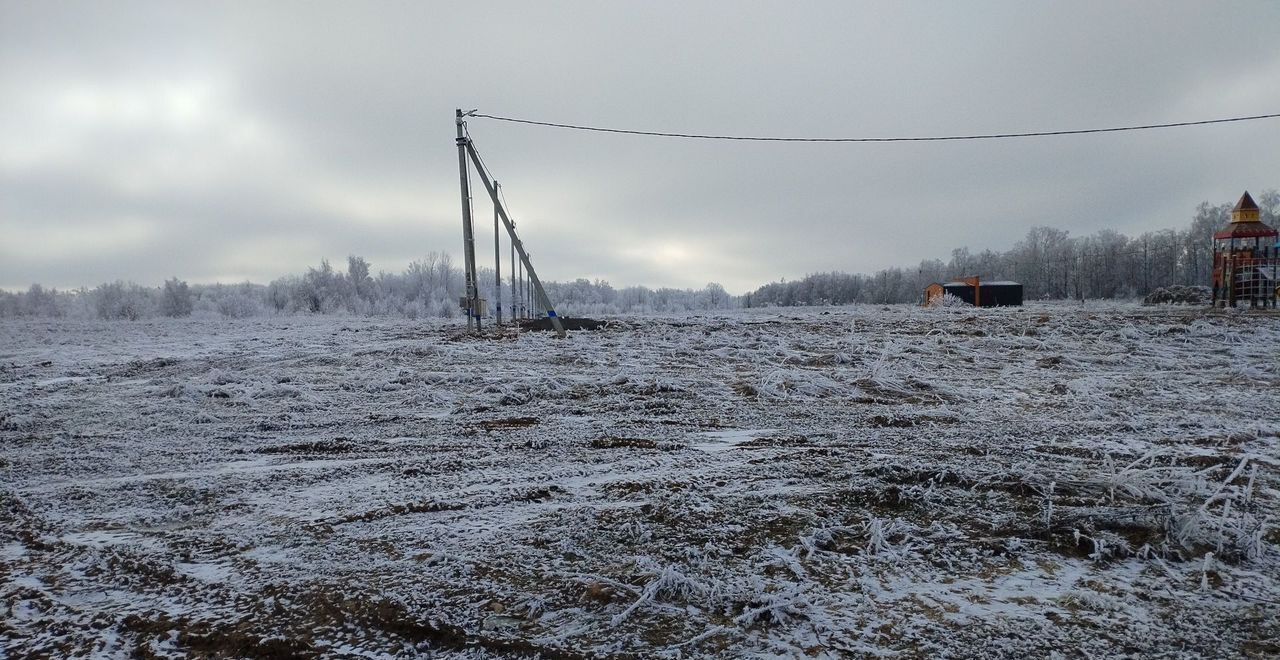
x,y
976,292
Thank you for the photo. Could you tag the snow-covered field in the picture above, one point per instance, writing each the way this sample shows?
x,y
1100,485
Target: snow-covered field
x,y
1059,479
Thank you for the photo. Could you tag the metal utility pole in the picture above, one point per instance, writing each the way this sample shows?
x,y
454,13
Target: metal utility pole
x,y
468,238
514,305
497,266
472,300
541,294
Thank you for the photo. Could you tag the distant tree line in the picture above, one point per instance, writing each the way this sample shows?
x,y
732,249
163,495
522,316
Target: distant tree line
x,y
429,287
1049,263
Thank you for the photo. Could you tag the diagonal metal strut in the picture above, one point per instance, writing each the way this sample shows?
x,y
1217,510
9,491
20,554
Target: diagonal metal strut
x,y
543,300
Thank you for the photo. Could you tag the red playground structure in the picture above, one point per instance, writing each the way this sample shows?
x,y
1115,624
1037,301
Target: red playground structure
x,y
1246,259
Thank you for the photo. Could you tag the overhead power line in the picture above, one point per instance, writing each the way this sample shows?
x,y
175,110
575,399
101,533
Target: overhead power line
x,y
933,138
501,191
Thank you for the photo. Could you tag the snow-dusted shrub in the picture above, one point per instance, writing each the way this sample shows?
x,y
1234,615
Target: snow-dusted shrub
x,y
239,306
280,294
36,301
120,300
10,305
41,302
175,298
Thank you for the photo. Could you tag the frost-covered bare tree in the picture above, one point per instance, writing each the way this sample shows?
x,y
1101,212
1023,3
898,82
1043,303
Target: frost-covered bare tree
x,y
363,288
40,302
175,298
125,301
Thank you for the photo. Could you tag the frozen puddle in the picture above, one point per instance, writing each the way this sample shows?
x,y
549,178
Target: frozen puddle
x,y
728,439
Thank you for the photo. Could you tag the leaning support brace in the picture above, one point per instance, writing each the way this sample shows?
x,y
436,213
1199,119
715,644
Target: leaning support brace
x,y
542,299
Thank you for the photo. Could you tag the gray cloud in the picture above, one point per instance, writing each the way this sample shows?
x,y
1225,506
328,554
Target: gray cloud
x,y
143,140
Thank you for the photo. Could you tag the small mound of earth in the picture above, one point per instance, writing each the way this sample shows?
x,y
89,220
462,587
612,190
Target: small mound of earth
x,y
570,323
1179,295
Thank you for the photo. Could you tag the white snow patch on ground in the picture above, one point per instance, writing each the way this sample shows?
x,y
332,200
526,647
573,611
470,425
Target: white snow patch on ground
x,y
215,573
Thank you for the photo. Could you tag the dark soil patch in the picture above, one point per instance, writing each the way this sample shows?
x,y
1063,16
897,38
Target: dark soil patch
x,y
426,506
785,441
570,323
333,446
616,443
508,423
136,368
289,632
881,421
1074,452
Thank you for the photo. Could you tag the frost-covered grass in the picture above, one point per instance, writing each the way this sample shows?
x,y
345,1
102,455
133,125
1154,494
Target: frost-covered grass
x,y
1058,479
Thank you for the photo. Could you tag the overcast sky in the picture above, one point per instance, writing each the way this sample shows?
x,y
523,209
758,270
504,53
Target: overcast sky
x,y
247,140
